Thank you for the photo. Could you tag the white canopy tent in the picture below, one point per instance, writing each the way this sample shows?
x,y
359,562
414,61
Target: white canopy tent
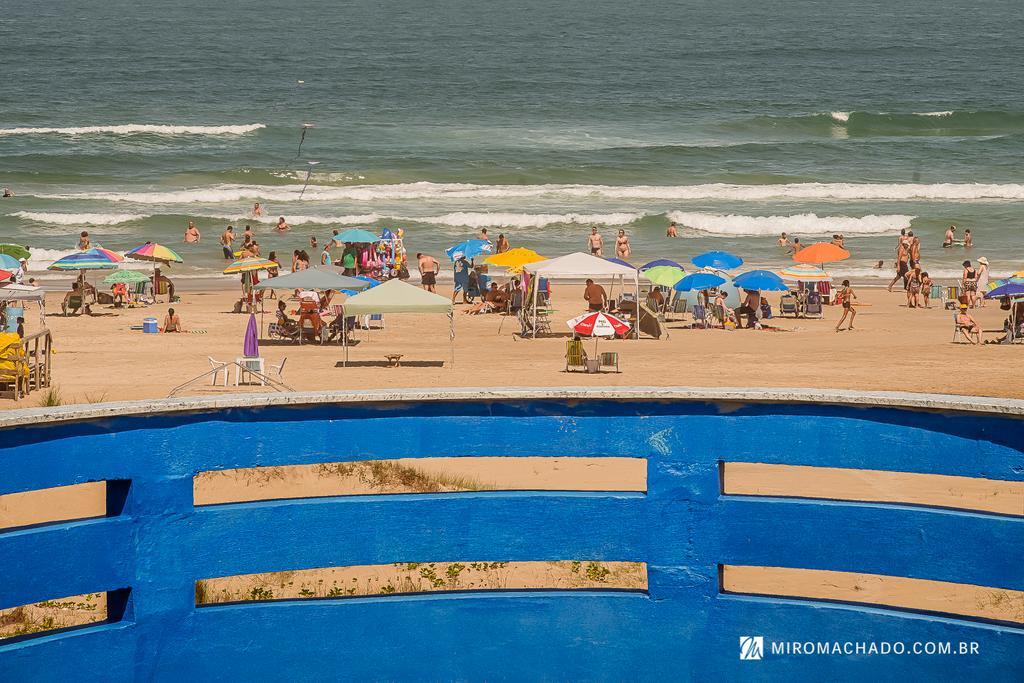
x,y
20,293
395,296
577,266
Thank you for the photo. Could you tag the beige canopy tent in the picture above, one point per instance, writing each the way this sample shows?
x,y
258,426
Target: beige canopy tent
x,y
395,296
577,266
14,293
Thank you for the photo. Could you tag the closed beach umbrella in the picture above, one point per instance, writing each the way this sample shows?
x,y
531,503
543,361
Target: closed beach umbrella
x,y
15,251
717,260
247,265
150,251
251,343
657,262
761,280
91,259
357,236
515,258
805,272
469,249
128,277
665,276
698,282
821,252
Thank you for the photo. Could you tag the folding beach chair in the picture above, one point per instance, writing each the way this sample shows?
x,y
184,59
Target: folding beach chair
x,y
787,305
812,307
700,316
608,359
575,356
959,331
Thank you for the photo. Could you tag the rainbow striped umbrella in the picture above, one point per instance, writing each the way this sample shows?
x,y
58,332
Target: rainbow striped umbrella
x,y
112,255
151,251
91,259
247,265
805,272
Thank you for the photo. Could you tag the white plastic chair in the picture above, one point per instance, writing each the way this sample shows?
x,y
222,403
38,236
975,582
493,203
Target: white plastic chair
x,y
216,366
279,368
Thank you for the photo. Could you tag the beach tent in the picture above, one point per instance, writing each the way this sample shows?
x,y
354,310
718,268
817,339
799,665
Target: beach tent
x,y
395,296
578,266
20,293
317,277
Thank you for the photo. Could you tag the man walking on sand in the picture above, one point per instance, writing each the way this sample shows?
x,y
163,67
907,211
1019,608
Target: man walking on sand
x,y
225,242
429,268
596,242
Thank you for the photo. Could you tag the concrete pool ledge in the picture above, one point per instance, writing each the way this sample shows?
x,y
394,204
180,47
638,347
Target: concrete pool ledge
x,y
865,399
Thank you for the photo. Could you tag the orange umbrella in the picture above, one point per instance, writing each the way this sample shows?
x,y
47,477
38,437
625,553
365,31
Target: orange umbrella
x,y
821,252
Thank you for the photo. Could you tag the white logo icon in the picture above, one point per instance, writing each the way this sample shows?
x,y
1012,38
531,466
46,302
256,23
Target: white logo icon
x,y
751,647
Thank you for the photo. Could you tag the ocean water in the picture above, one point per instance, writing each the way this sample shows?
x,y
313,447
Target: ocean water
x,y
738,120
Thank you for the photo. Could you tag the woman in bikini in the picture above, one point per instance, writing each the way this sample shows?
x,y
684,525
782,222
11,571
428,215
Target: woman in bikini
x,y
969,281
914,283
622,249
846,297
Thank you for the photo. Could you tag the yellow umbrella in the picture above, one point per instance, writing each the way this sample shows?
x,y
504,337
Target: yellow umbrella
x,y
515,259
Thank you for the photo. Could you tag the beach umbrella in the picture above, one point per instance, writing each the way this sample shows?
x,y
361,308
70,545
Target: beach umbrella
x,y
251,343
760,280
127,277
5,275
515,258
469,249
665,276
357,236
8,261
91,259
365,278
150,251
805,272
16,251
247,265
597,324
657,262
821,253
112,255
717,260
619,261
698,282
1009,289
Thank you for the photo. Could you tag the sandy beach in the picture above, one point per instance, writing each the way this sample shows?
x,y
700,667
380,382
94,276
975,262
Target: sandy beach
x,y
99,358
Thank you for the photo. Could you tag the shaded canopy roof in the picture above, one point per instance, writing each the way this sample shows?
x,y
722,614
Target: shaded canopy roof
x,y
13,292
579,264
395,296
317,277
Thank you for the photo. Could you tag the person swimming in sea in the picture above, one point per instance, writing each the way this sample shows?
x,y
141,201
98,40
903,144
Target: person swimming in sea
x,y
950,239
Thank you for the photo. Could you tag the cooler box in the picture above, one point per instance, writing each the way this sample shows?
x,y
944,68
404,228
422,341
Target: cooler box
x,y
149,326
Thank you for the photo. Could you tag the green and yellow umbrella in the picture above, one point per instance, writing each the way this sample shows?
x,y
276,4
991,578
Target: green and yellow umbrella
x,y
665,276
248,265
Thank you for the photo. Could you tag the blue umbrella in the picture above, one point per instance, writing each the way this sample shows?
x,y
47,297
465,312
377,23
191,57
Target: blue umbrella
x,y
365,278
718,260
357,236
619,261
1009,289
470,249
8,262
761,280
698,281
654,264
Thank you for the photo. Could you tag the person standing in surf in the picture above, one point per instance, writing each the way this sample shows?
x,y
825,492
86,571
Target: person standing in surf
x,y
192,235
595,241
950,237
622,248
672,231
502,245
257,210
282,225
226,240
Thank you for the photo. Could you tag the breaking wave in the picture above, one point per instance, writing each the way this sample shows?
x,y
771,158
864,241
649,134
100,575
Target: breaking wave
x,y
137,129
78,218
801,224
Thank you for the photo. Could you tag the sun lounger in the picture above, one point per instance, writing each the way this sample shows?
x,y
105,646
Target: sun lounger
x,y
812,307
787,305
575,356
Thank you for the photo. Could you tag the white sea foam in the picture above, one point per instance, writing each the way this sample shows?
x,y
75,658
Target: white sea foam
x,y
800,224
243,218
78,218
529,220
137,129
933,113
442,191
840,116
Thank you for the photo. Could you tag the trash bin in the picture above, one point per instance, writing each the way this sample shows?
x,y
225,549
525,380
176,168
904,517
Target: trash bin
x,y
593,365
149,326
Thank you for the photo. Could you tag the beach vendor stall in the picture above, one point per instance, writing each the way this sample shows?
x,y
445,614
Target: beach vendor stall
x,y
317,278
391,254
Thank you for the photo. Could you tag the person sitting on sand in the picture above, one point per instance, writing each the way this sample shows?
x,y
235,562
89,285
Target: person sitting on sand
x,y
751,305
74,293
966,324
159,280
845,298
172,323
594,295
192,235
288,326
492,300
728,314
84,242
119,292
672,231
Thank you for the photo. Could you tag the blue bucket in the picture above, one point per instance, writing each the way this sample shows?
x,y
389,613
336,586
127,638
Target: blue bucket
x,y
149,326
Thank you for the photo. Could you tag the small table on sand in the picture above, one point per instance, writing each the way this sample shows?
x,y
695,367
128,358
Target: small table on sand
x,y
394,359
243,366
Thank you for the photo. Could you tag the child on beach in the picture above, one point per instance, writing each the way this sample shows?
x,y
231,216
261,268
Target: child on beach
x,y
926,289
846,297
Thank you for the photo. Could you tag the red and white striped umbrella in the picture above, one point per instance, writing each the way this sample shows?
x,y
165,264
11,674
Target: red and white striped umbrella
x,y
598,324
